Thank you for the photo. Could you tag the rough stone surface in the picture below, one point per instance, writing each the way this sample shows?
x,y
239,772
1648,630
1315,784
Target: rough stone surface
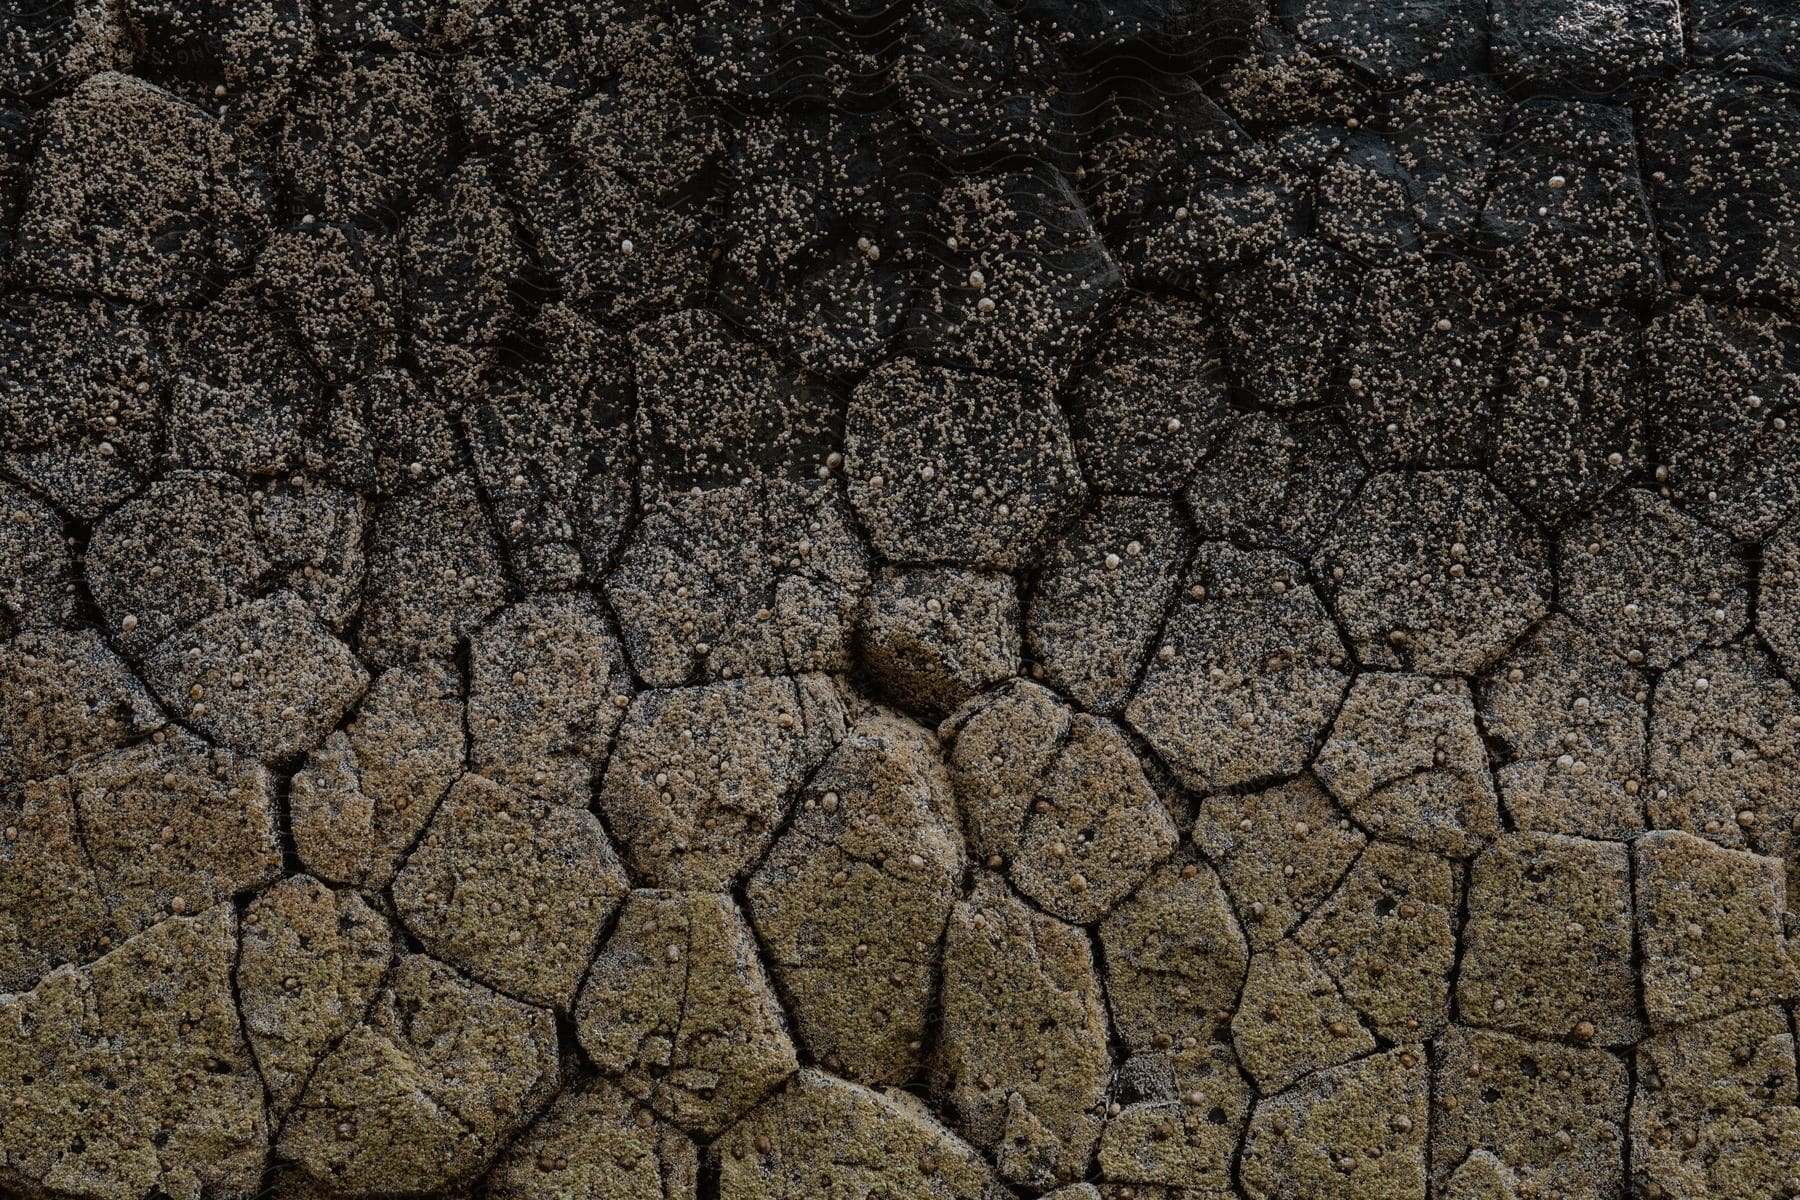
x,y
931,637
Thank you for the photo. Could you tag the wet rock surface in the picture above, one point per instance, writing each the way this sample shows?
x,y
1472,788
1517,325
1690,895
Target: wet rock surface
x,y
992,599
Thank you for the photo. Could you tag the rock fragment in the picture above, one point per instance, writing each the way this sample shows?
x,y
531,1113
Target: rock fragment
x,y
597,1143
1276,482
37,581
1356,1131
931,637
63,696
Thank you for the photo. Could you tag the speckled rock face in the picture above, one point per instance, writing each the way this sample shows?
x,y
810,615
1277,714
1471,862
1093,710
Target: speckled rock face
x,y
890,599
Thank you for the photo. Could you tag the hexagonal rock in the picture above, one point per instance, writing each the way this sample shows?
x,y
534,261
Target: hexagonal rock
x,y
1434,571
851,902
1561,45
701,777
821,1136
1724,746
425,1092
362,797
1652,580
512,889
1284,322
1547,944
597,1143
265,679
311,964
73,387
1569,416
678,1009
1355,1131
136,195
1028,276
1279,851
1778,597
1248,673
131,1076
170,824
947,466
1567,220
1570,720
1073,817
434,573
1291,1020
1276,482
1406,758
1714,1113
37,583
1101,595
1710,922
931,637
1147,405
1444,131
1023,1055
547,684
1422,354
1552,1115
1175,963
63,696
756,579
1387,937
1718,373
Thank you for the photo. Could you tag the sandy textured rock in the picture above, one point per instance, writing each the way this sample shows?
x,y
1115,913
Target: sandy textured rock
x,y
36,580
64,696
434,573
1356,1130
703,776
931,637
1276,482
1547,948
1023,1060
851,903
1247,675
1292,1021
678,1008
512,889
597,1143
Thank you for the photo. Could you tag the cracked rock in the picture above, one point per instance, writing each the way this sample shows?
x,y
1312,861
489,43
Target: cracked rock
x,y
1291,1020
1569,46
597,1143
1547,945
702,777
1023,1049
1276,482
363,795
512,889
1356,1131
1284,321
1248,674
64,696
37,582
1778,597
852,901
677,1006
1449,597
931,637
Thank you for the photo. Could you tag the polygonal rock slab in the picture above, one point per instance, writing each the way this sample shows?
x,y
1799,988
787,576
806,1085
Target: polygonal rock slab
x,y
1654,582
1101,596
1279,851
1291,1020
1563,45
131,1076
1710,922
337,288
946,466
701,777
1356,1131
64,696
311,964
362,797
828,1137
51,909
757,579
1724,745
36,580
678,1008
1406,758
547,684
1276,482
1434,571
1249,672
1569,417
434,573
851,903
597,1143
512,889
1714,1111
136,195
1571,720
1284,322
1387,937
1023,1053
265,679
427,1091
1073,817
1444,131
1547,945
1553,1115
931,637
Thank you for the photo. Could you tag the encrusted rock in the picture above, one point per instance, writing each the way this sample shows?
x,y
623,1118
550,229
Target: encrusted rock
x,y
931,637
1284,322
1276,481
597,1143
1291,1020
64,696
37,582
1355,1131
